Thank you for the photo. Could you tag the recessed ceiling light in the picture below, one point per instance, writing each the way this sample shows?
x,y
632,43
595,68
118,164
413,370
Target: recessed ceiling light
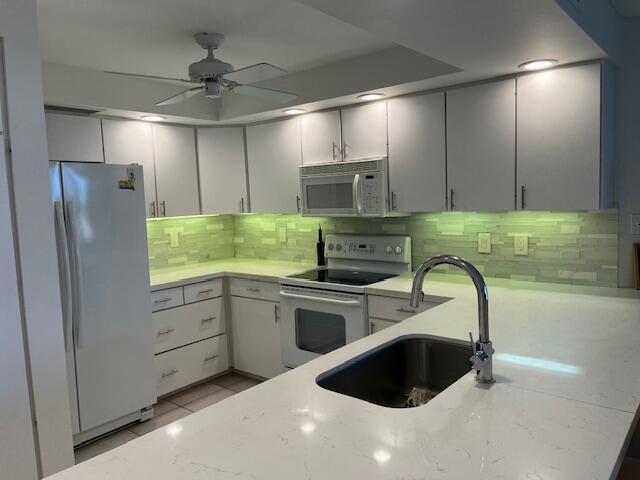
x,y
538,64
294,111
371,96
153,118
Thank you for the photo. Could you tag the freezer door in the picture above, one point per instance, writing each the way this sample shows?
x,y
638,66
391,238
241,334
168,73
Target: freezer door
x,y
64,269
105,214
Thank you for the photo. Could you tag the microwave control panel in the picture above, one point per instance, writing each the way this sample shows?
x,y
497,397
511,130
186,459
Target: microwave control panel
x,y
372,193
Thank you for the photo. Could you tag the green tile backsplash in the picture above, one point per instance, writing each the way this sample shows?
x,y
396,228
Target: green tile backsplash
x,y
564,247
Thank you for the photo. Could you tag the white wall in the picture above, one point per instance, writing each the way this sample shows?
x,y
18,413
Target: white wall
x,y
37,266
628,146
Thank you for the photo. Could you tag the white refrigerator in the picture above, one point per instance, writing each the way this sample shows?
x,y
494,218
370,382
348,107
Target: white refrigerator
x,y
104,282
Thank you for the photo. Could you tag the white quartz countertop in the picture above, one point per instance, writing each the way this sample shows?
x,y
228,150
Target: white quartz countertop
x,y
566,392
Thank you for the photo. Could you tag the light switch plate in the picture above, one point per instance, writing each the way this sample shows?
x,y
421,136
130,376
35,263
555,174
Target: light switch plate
x,y
174,239
635,223
521,244
484,243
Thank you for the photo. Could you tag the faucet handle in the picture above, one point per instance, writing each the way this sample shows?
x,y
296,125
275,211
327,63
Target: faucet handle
x,y
474,346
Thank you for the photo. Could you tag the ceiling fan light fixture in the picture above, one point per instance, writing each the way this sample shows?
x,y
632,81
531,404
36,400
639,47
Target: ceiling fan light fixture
x,y
153,118
538,64
371,96
293,111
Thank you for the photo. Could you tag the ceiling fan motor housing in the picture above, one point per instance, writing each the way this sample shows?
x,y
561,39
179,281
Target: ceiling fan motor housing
x,y
208,68
212,88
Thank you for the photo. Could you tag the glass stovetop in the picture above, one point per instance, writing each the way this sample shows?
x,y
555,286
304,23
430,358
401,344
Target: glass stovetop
x,y
344,277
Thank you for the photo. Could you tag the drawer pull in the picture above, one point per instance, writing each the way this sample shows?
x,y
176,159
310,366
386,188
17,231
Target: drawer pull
x,y
208,319
166,331
169,373
208,290
405,310
212,357
163,300
252,289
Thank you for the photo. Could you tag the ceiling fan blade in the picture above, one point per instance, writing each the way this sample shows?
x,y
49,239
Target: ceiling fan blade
x,y
181,96
255,73
152,77
265,93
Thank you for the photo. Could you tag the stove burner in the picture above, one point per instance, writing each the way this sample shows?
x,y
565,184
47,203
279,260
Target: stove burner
x,y
343,277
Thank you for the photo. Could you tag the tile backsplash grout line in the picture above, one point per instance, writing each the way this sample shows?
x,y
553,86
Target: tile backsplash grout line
x,y
564,247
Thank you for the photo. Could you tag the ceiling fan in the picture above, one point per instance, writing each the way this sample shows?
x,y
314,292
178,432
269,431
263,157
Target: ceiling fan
x,y
213,75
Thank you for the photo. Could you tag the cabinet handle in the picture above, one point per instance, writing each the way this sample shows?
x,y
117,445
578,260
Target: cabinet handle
x,y
209,358
153,209
344,151
202,292
451,194
166,331
169,373
394,206
522,191
333,150
405,310
252,289
298,202
372,325
163,204
241,204
276,312
208,319
162,300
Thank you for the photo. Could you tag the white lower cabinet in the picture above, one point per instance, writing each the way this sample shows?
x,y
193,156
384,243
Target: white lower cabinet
x,y
256,336
385,311
183,366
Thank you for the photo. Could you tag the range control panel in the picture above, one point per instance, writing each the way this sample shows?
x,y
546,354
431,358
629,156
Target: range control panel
x,y
384,248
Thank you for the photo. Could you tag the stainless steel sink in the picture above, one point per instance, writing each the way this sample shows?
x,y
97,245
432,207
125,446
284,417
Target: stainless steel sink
x,y
388,374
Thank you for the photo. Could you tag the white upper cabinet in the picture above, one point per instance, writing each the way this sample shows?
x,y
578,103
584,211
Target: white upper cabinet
x,y
74,138
223,176
273,152
364,131
176,170
127,142
417,153
559,139
481,146
320,133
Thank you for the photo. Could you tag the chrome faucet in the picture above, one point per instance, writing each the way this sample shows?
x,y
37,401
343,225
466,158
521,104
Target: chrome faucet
x,y
482,349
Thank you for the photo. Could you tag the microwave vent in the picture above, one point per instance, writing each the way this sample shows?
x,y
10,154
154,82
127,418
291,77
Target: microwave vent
x,y
343,167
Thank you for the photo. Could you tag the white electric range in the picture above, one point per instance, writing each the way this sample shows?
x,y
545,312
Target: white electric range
x,y
324,309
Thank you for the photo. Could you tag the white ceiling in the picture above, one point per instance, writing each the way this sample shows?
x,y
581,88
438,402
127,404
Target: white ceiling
x,y
153,37
627,8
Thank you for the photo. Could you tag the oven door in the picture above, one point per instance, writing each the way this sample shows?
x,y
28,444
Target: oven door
x,y
333,195
315,322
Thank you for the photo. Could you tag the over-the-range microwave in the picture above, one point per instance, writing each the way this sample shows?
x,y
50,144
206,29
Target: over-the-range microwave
x,y
357,188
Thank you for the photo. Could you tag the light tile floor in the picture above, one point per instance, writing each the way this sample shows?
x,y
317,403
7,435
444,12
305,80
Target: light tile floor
x,y
170,409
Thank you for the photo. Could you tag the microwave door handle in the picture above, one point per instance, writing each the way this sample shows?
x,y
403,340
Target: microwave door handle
x,y
356,193
319,299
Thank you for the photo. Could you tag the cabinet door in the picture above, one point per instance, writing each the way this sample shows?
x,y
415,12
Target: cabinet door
x,y
223,176
364,131
377,324
74,138
127,142
417,157
176,170
256,337
273,151
481,147
559,139
320,133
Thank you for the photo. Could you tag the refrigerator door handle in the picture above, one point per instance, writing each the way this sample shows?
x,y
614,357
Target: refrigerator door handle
x,y
65,286
76,273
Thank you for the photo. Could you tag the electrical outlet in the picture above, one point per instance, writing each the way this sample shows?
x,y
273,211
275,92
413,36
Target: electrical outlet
x,y
635,223
174,239
521,244
484,243
283,234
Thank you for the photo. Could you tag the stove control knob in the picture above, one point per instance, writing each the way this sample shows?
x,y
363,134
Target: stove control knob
x,y
388,249
338,247
330,246
398,250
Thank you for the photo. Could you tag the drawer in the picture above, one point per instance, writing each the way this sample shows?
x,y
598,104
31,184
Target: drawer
x,y
176,327
377,324
184,366
197,292
396,309
241,287
162,299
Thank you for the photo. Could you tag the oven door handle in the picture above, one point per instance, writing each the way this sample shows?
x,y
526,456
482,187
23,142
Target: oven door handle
x,y
353,303
357,194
